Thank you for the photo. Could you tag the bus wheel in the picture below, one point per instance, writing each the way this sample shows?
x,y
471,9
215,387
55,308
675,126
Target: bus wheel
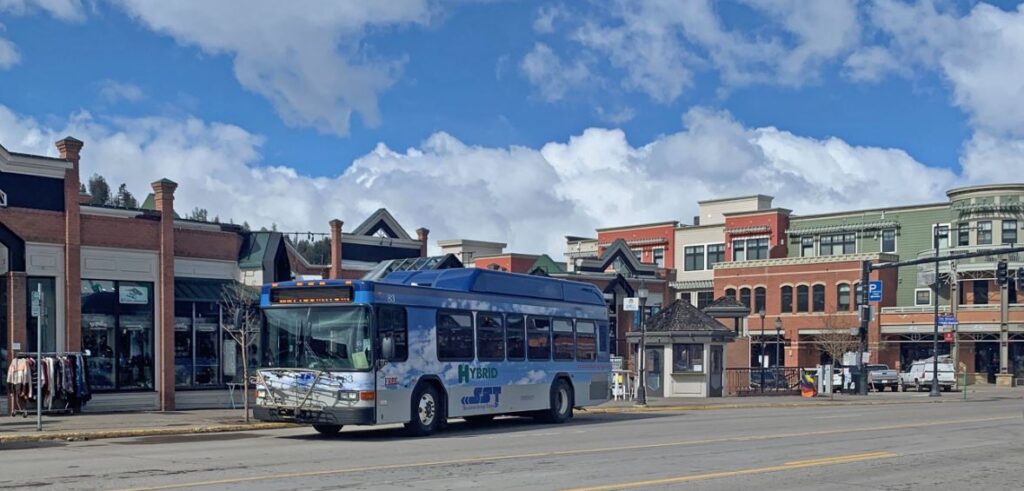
x,y
327,429
561,403
426,411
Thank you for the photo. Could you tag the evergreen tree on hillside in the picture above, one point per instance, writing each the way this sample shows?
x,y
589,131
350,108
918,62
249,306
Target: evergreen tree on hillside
x,y
125,199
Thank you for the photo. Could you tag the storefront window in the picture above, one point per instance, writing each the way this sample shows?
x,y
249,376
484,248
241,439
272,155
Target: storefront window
x,y
688,358
49,287
183,344
117,329
197,344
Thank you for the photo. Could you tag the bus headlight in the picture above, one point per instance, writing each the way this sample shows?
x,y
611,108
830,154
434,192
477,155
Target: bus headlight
x,y
348,395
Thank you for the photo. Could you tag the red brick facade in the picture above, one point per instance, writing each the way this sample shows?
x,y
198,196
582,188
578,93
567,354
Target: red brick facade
x,y
771,223
645,238
514,263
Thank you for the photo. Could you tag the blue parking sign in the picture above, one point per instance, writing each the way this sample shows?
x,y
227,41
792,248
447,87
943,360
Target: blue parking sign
x,y
875,291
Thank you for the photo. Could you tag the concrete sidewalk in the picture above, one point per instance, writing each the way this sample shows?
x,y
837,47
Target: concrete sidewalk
x,y
121,425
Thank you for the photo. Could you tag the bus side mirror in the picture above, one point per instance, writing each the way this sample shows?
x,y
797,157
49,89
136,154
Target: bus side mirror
x,y
387,348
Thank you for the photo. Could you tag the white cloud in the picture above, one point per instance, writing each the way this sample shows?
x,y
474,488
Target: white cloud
x,y
615,116
528,197
310,60
114,91
660,44
66,10
546,17
870,64
9,55
553,77
981,54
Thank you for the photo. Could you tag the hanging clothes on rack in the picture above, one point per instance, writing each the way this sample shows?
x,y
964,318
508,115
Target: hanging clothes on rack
x,y
61,386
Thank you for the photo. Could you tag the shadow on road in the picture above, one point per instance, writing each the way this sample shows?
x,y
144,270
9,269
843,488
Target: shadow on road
x,y
458,428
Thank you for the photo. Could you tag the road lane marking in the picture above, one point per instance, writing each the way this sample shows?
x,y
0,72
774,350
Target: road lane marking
x,y
559,453
802,464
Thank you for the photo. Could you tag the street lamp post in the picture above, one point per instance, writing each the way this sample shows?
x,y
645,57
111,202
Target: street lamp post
x,y
935,329
778,341
641,394
760,359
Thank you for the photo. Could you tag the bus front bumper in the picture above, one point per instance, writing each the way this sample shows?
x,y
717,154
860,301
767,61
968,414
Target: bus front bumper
x,y
326,416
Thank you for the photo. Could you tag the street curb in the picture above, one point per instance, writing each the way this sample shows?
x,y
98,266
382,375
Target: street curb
x,y
136,432
767,405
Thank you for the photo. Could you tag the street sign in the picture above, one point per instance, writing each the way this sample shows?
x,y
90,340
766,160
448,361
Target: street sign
x,y
947,320
866,311
36,304
947,337
875,291
631,304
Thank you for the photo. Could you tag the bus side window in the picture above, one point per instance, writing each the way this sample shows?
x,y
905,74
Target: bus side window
x,y
586,341
490,337
538,338
515,337
392,323
562,339
454,336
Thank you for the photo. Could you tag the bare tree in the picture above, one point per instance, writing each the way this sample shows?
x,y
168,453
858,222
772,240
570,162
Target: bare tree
x,y
241,302
835,338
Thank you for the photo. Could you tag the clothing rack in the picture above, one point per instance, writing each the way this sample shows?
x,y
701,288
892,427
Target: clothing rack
x,y
73,382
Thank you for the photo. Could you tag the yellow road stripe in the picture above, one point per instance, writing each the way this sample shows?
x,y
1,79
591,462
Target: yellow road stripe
x,y
581,451
844,459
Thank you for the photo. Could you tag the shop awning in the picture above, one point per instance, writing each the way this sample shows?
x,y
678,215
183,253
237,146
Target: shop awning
x,y
198,290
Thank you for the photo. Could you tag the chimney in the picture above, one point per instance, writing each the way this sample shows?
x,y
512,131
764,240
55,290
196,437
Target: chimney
x,y
336,248
69,150
696,220
421,235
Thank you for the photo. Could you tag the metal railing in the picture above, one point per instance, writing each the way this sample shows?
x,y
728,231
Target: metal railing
x,y
762,381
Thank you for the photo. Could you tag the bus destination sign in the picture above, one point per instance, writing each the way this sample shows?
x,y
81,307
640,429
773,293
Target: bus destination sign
x,y
324,294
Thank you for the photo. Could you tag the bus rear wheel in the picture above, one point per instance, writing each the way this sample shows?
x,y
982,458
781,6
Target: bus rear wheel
x,y
327,430
561,403
427,411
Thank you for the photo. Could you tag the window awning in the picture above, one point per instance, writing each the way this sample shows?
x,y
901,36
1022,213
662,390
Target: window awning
x,y
691,285
198,290
753,229
844,227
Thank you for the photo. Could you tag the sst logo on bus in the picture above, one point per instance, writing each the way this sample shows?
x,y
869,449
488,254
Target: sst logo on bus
x,y
481,397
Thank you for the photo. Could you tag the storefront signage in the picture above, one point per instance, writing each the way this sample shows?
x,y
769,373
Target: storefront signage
x,y
36,304
631,304
133,295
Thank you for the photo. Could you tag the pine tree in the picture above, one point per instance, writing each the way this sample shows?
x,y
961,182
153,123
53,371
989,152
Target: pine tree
x,y
100,191
198,214
125,199
81,188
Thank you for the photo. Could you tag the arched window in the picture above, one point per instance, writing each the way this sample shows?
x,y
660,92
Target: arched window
x,y
745,297
759,304
818,298
731,293
786,305
843,297
801,298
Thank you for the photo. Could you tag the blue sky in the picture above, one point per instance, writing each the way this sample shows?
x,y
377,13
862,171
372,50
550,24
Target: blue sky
x,y
596,94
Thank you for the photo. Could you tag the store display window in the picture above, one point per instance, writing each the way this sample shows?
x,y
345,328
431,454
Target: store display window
x,y
117,331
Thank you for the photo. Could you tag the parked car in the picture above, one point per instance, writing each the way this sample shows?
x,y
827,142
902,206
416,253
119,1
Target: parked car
x,y
919,374
881,376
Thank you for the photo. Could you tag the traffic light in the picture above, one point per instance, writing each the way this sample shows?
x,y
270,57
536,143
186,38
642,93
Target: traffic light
x,y
1020,279
1002,276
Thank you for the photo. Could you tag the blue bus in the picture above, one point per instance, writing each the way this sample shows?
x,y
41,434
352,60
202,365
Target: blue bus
x,y
420,347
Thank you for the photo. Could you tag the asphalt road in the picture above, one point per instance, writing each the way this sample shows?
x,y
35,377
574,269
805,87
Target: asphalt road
x,y
952,445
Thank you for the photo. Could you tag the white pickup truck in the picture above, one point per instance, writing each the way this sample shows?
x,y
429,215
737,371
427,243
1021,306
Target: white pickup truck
x,y
919,375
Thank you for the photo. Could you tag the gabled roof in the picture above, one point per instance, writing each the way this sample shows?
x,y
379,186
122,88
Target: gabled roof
x,y
546,266
381,220
617,250
257,247
681,316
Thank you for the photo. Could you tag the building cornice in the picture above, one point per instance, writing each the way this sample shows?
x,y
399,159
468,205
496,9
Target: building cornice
x,y
34,165
797,261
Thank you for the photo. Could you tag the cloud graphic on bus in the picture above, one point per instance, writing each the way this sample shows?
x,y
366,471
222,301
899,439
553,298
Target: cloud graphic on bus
x,y
533,377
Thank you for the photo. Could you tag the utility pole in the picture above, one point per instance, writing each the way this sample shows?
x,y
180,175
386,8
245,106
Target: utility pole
x,y
935,332
865,317
1003,279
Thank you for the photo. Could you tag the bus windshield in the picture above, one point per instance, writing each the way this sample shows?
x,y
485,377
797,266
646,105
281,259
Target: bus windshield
x,y
321,338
